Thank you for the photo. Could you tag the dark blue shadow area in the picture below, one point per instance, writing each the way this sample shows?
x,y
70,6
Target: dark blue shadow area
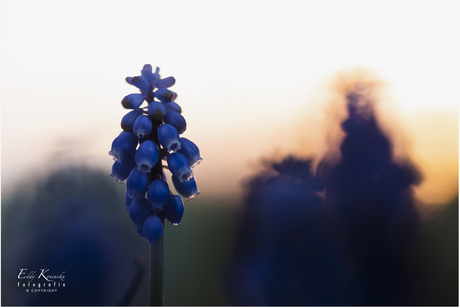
x,y
347,233
74,223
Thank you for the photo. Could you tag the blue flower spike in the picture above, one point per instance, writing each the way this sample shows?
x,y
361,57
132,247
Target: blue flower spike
x,y
151,137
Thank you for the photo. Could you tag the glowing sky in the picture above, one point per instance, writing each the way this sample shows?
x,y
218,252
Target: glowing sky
x,y
252,79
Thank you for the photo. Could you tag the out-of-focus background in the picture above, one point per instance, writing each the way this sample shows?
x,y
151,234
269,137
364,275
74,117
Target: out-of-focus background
x,y
257,81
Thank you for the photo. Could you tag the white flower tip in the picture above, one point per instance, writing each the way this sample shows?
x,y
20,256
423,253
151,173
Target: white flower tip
x,y
186,177
198,161
192,196
115,156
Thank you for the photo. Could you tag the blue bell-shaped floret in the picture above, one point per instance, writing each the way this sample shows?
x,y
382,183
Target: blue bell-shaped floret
x,y
146,156
142,126
127,121
176,120
123,146
158,194
153,229
139,211
187,189
121,170
169,137
191,151
137,184
174,209
179,166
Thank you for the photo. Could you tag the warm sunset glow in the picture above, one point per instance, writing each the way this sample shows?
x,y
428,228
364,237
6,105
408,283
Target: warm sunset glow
x,y
253,77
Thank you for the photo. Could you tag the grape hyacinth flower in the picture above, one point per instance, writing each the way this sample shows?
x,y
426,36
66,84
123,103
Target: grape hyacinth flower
x,y
150,138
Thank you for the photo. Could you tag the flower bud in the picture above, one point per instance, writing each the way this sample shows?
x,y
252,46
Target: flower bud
x,y
139,82
165,82
148,75
173,106
164,95
132,101
176,120
157,111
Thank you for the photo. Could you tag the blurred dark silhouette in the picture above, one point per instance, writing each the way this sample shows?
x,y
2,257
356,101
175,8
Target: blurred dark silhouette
x,y
347,234
287,252
73,222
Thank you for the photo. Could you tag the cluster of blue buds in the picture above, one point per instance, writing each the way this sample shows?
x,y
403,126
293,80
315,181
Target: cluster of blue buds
x,y
150,136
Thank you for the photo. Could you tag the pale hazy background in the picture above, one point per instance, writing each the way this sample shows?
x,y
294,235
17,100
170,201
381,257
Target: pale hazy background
x,y
253,79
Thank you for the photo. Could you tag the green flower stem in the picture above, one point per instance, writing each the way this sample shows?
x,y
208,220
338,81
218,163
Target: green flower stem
x,y
156,272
